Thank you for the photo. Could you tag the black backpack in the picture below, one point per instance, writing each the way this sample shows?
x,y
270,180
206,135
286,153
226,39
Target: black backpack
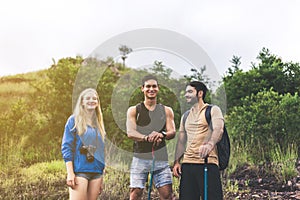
x,y
223,145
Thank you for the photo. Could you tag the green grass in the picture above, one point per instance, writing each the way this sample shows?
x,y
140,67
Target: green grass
x,y
51,171
238,157
13,88
39,181
283,162
46,180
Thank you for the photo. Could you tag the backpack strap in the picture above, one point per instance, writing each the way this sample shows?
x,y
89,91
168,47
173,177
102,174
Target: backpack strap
x,y
208,116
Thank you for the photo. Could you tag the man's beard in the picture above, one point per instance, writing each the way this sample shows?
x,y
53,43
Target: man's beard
x,y
193,100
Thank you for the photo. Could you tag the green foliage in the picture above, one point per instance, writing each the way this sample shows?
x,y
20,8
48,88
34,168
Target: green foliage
x,y
240,155
199,75
283,162
271,72
265,119
52,170
46,180
124,50
58,93
219,98
232,186
39,181
12,89
160,70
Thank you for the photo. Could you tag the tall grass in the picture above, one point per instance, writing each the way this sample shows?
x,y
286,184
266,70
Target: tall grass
x,y
239,156
6,100
39,181
46,180
283,162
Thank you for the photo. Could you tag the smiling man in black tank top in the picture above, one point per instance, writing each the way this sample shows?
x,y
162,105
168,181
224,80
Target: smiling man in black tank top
x,y
149,124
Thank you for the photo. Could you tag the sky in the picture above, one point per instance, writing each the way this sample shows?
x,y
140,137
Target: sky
x,y
33,33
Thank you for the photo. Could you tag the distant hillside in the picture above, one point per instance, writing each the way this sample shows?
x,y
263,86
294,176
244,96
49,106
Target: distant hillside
x,y
15,87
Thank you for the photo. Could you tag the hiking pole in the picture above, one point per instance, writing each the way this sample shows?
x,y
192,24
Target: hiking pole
x,y
151,173
205,178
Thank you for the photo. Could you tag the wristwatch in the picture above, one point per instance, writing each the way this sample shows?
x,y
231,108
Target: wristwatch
x,y
145,138
164,134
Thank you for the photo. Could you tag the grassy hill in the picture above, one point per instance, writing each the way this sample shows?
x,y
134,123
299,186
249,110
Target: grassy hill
x,y
30,139
15,87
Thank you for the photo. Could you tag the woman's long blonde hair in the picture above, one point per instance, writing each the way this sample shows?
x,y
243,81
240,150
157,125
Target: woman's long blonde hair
x,y
81,115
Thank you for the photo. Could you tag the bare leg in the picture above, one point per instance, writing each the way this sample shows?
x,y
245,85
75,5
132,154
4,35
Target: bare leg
x,y
136,193
165,192
79,192
94,188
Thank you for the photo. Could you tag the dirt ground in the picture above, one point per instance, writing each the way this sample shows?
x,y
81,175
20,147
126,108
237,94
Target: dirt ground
x,y
256,183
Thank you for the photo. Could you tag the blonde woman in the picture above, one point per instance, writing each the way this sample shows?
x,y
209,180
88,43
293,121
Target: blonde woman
x,y
83,147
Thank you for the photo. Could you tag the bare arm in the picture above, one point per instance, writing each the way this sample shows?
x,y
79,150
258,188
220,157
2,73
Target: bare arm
x,y
181,143
180,148
170,124
217,121
218,125
132,133
70,174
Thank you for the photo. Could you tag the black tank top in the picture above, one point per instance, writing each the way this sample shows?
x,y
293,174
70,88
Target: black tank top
x,y
148,121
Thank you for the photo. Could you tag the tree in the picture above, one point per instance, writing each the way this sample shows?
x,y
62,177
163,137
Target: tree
x,y
124,50
53,96
199,75
264,120
161,70
270,72
235,67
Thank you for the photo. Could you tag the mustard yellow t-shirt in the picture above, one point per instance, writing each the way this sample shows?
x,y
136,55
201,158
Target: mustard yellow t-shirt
x,y
198,132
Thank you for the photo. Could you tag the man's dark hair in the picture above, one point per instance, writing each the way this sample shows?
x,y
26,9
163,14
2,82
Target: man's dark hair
x,y
148,77
199,86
